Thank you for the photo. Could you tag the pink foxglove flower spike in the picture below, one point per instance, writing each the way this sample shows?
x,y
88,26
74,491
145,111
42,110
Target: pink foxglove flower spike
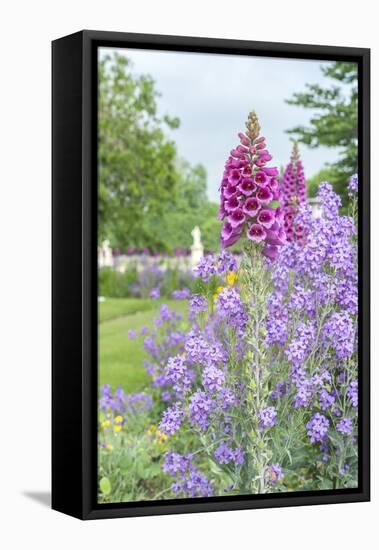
x,y
294,194
250,193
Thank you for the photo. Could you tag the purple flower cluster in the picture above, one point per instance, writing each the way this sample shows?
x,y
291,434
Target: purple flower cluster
x,y
190,481
139,402
213,379
198,304
339,332
311,318
231,308
209,265
121,403
274,474
172,419
200,409
165,342
155,293
114,402
267,417
181,294
317,428
353,186
345,426
200,351
178,375
224,454
294,193
352,393
249,193
300,346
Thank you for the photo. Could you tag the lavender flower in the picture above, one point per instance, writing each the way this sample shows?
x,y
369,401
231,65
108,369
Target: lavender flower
x,y
353,186
172,419
352,393
175,463
225,454
201,407
198,304
182,294
267,417
317,428
191,482
213,379
274,473
177,374
114,402
138,402
155,293
345,426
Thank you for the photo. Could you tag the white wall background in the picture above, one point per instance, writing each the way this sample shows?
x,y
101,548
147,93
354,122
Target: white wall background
x,y
26,31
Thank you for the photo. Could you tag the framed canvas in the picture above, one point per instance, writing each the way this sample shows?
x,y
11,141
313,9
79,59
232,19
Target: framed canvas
x,y
211,333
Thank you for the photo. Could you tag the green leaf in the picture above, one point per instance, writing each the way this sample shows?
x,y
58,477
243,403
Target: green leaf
x,y
105,486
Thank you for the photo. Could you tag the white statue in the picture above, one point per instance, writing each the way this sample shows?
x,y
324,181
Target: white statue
x,y
316,207
105,257
197,249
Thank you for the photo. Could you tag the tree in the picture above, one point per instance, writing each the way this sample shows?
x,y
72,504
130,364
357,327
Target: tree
x,y
335,122
137,163
190,207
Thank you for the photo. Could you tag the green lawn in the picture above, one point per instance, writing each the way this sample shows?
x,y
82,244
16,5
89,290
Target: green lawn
x,y
121,359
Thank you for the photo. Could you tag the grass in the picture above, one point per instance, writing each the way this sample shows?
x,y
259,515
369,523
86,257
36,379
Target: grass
x,y
121,359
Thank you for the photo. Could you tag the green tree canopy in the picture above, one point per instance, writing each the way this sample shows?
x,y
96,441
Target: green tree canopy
x,y
189,208
148,197
137,173
335,120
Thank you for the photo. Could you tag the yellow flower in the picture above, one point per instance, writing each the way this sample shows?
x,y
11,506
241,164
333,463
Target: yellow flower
x,y
118,419
117,428
109,447
105,424
161,436
151,429
231,278
218,290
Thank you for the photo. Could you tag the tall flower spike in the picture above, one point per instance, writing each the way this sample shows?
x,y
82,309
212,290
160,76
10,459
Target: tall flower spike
x,y
294,193
250,193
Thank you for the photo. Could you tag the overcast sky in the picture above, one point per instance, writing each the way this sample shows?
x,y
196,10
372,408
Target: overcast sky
x,y
213,94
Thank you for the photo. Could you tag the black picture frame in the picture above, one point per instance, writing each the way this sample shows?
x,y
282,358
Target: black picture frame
x,y
74,273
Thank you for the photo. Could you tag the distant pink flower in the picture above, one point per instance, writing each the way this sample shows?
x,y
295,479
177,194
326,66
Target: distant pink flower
x,y
294,193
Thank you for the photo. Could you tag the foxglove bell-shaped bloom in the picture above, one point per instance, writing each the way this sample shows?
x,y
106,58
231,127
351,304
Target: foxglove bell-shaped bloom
x,y
294,194
250,194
